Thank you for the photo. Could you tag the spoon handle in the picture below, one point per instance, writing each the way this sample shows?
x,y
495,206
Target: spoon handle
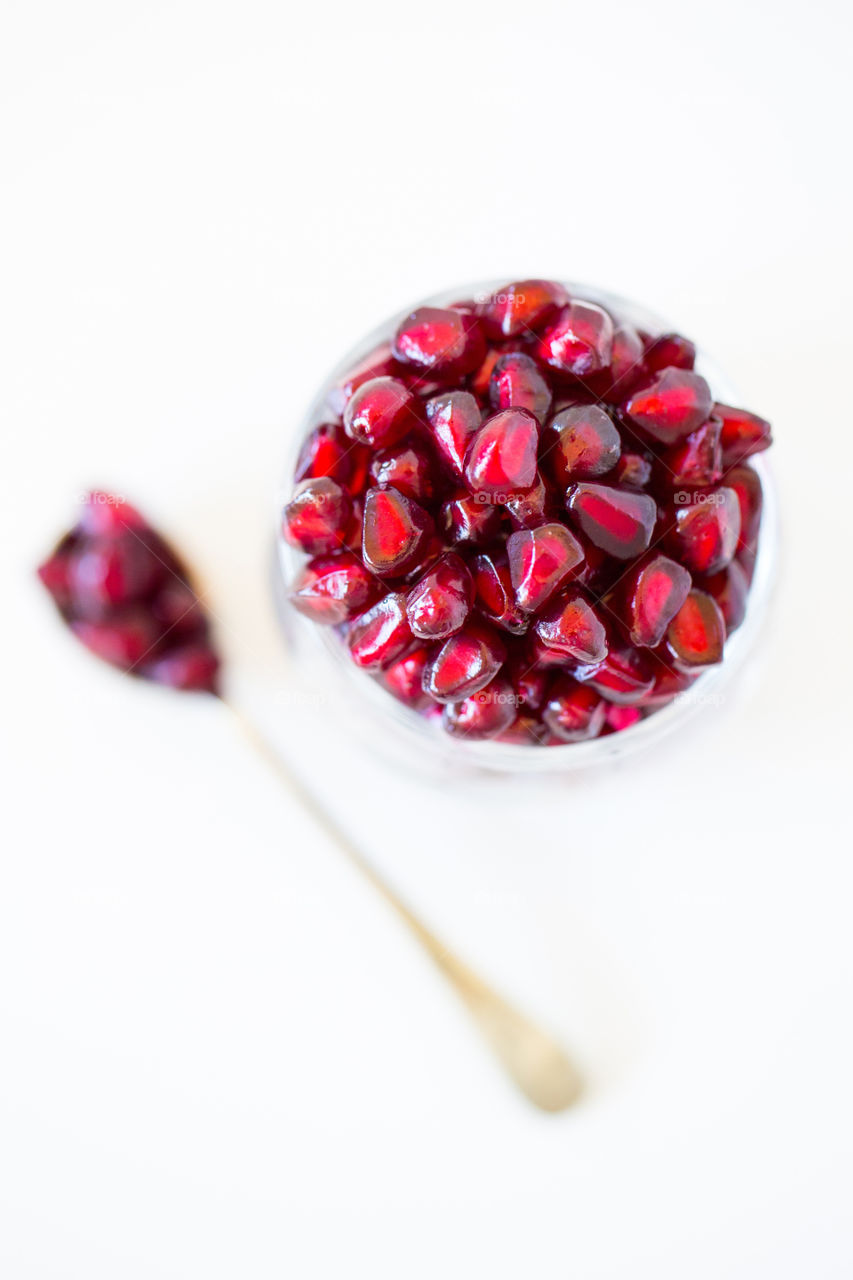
x,y
532,1058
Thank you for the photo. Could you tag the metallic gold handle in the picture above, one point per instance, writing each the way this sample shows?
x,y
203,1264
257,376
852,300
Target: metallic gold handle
x,y
531,1057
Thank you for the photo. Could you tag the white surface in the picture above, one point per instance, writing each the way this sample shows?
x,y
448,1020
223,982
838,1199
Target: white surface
x,y
221,1056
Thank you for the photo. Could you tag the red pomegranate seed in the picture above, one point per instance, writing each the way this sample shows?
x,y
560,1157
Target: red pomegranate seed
x,y
465,663
327,451
540,561
501,458
404,678
444,343
581,443
579,340
743,434
654,594
620,718
747,485
466,519
574,713
517,383
409,467
730,589
107,571
627,368
675,403
618,521
571,627
697,633
123,639
633,470
530,509
380,413
104,515
379,364
439,604
482,715
521,308
531,684
380,634
696,461
669,682
333,588
494,596
454,418
669,351
192,667
541,656
624,677
395,532
707,530
317,516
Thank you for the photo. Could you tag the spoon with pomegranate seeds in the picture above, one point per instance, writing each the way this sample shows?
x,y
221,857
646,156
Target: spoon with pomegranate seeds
x,y
128,597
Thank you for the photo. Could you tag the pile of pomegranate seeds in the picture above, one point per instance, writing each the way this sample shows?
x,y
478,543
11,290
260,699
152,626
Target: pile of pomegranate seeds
x,y
527,517
124,592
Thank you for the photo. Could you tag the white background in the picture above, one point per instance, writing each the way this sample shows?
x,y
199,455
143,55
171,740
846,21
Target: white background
x,y
221,1056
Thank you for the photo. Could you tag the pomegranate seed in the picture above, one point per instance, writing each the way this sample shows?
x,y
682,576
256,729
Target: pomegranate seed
x,y
618,521
620,718
404,678
104,516
669,682
541,656
501,458
484,714
574,713
454,418
571,627
521,308
465,663
107,571
742,435
540,561
409,467
317,516
579,341
465,519
530,509
696,461
654,594
396,531
439,604
669,351
192,667
707,531
582,443
531,684
730,589
627,368
675,403
747,485
444,343
332,589
495,598
380,634
697,633
633,470
624,677
123,639
517,383
327,451
379,364
380,412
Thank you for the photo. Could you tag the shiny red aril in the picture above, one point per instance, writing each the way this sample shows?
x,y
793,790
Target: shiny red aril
x,y
619,718
501,458
469,520
485,714
381,412
192,667
332,589
743,434
581,443
453,417
730,589
317,517
123,639
706,530
654,593
626,370
395,530
571,627
327,451
633,470
697,633
405,675
747,485
465,663
409,467
540,561
378,364
578,341
521,308
675,403
380,634
669,351
517,383
619,521
574,712
494,596
442,342
696,461
624,677
533,507
531,684
439,603
107,571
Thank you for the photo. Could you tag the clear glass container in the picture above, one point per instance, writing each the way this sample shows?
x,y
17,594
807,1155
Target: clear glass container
x,y
361,708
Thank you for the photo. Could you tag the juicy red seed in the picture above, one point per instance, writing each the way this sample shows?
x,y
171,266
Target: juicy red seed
x,y
742,435
707,530
619,718
442,342
530,683
479,381
404,678
439,604
494,596
380,412
668,680
332,589
574,712
633,470
582,442
654,594
192,667
466,519
579,341
669,351
454,418
730,589
627,367
317,516
618,521
520,308
465,663
501,458
571,627
484,714
380,634
517,383
675,403
379,364
540,561
408,467
747,485
395,531
697,633
105,515
107,571
624,677
541,656
123,639
696,461
327,451
535,507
